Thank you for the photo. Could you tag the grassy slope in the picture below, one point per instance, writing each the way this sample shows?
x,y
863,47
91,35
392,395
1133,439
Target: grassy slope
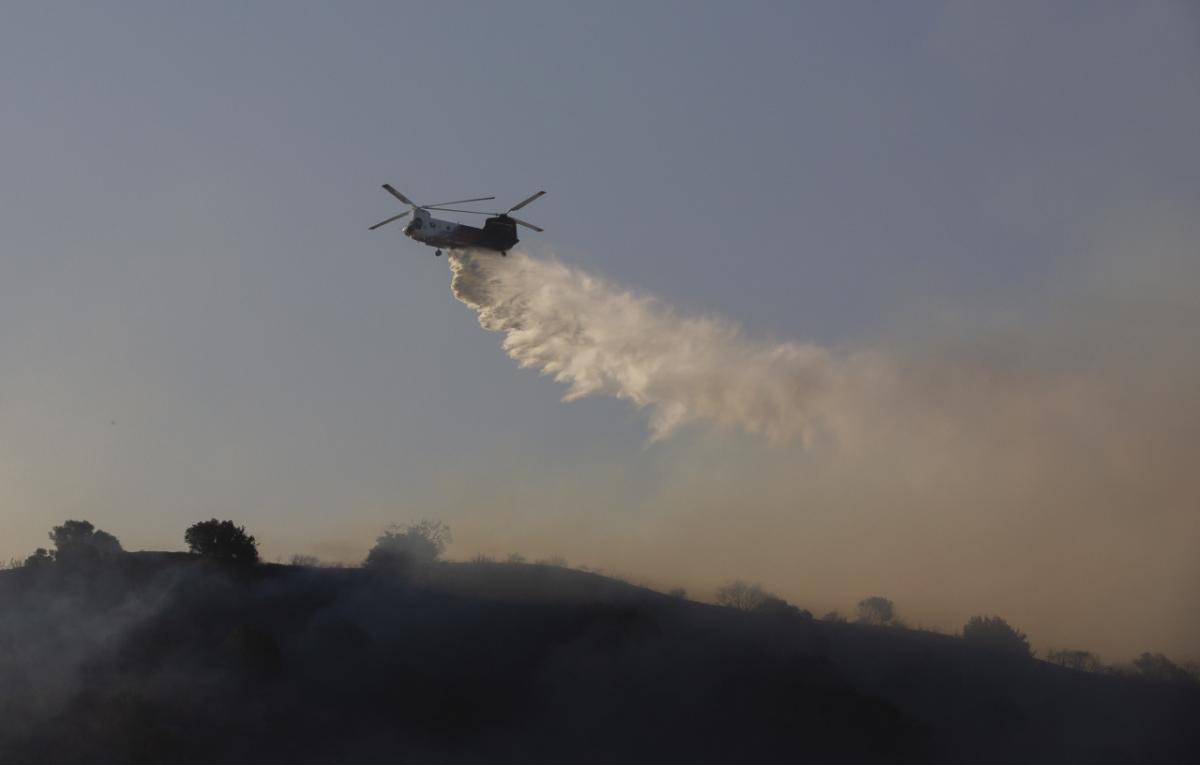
x,y
164,657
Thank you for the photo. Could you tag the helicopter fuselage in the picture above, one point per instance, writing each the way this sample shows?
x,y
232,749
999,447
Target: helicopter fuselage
x,y
499,233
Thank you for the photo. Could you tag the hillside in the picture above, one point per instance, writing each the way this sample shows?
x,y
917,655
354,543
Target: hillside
x,y
166,657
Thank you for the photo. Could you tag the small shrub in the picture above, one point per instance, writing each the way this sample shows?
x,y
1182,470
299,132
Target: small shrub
x,y
776,607
400,548
307,561
41,557
995,633
741,595
1084,661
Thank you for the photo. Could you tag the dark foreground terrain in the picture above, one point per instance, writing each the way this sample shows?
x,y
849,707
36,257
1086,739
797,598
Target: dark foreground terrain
x,y
160,657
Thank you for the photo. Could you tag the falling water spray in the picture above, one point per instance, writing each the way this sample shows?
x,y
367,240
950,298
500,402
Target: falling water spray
x,y
599,339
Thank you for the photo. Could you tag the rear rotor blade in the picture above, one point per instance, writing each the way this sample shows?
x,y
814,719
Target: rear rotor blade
x,y
458,202
389,220
398,195
521,204
451,209
520,222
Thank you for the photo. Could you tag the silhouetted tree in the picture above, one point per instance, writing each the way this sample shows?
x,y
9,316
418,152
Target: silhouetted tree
x,y
400,548
1085,661
678,592
995,633
79,541
876,610
1156,667
834,617
516,558
222,540
741,595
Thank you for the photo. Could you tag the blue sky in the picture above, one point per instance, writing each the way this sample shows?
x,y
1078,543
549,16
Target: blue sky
x,y
194,320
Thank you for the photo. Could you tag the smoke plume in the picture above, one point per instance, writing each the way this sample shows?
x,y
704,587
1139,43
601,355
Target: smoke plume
x,y
1033,457
599,339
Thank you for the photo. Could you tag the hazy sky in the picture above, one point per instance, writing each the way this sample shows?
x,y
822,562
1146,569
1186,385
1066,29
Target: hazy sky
x,y
999,197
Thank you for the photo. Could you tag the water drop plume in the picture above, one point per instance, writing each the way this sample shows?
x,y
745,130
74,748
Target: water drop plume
x,y
599,339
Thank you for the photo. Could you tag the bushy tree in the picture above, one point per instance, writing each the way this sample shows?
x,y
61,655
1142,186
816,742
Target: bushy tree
x,y
876,610
995,633
77,541
222,540
1155,666
741,595
402,547
834,617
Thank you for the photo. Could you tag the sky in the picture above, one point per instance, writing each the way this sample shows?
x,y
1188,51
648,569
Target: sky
x,y
998,199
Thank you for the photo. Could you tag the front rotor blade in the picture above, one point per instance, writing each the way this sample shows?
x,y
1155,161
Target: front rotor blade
x,y
389,220
451,209
519,205
458,202
520,222
398,195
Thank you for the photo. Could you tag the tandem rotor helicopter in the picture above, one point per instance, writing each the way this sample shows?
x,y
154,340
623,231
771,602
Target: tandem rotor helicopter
x,y
499,232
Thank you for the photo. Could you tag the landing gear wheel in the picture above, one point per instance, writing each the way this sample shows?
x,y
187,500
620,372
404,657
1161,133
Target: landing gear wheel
x,y
504,253
437,254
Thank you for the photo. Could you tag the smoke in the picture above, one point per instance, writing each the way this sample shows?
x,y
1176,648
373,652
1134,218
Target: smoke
x,y
599,339
1033,458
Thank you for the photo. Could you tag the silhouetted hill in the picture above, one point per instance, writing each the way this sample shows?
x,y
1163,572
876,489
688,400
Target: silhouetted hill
x,y
166,657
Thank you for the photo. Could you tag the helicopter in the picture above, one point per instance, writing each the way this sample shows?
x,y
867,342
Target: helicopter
x,y
499,232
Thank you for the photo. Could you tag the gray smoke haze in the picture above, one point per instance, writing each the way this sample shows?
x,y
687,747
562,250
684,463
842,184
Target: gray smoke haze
x,y
53,627
1034,458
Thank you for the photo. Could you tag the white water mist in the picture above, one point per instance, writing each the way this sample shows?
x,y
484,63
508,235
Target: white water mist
x,y
599,339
